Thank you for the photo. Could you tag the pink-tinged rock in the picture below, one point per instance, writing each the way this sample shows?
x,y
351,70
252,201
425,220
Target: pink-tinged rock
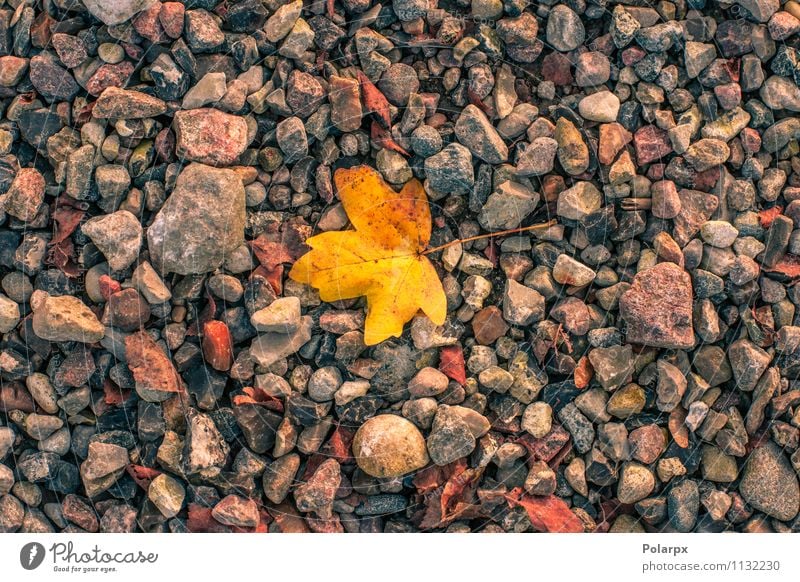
x,y
651,144
25,194
782,25
751,140
632,55
556,67
657,309
696,208
613,137
148,24
209,136
171,18
109,76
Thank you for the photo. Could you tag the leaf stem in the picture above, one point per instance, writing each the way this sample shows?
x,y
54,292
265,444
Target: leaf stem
x,y
541,225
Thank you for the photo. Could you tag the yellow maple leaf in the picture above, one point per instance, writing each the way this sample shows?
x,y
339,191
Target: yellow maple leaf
x,y
381,259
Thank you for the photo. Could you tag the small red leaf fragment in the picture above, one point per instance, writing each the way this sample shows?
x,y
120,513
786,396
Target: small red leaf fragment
x,y
451,363
374,100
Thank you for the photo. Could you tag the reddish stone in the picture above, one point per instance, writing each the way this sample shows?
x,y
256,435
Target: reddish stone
x,y
658,308
665,200
236,511
171,18
613,137
316,494
25,195
14,396
729,95
41,30
647,443
574,315
488,325
147,24
164,145
751,140
108,286
556,67
77,368
632,55
782,25
210,136
552,186
217,345
696,208
651,144
656,171
70,49
74,509
109,76
127,310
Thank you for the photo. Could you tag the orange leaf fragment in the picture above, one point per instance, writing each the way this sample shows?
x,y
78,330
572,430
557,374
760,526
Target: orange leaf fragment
x,y
381,259
374,100
547,514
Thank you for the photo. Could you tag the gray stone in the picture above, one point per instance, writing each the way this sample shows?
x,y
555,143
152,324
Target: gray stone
x,y
508,206
769,483
200,223
118,236
474,130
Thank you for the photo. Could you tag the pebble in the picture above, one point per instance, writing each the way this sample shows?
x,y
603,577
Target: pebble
x,y
211,197
565,31
64,318
389,446
769,484
118,236
602,106
508,206
657,308
210,136
167,494
476,132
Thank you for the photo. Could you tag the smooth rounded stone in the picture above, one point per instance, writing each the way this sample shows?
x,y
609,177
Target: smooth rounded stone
x,y
200,223
450,438
167,494
6,441
226,287
271,347
351,390
324,383
780,93
508,206
474,130
769,483
111,53
718,466
683,503
658,308
579,201
565,31
568,271
147,282
113,12
426,141
117,235
388,446
427,382
537,419
209,136
117,103
209,89
602,106
398,82
9,314
538,158
393,167
450,170
64,318
573,153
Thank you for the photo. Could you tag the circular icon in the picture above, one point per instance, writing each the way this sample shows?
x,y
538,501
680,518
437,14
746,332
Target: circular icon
x,y
31,555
